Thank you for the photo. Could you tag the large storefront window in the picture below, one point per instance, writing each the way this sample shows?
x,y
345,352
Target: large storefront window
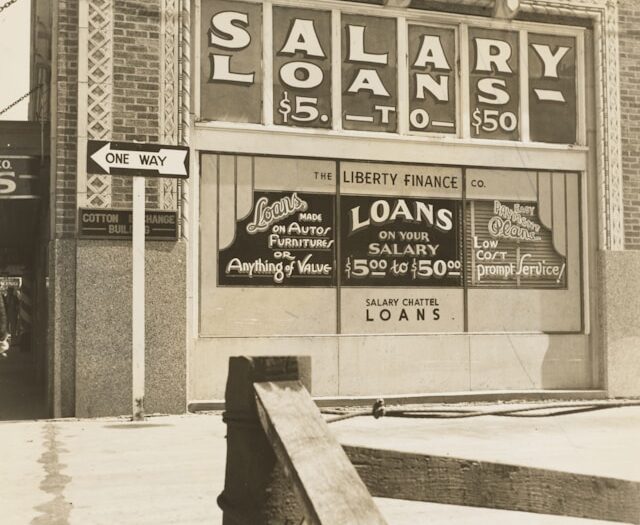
x,y
350,247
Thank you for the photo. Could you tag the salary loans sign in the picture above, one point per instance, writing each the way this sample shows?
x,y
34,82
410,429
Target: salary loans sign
x,y
330,246
144,160
303,64
389,225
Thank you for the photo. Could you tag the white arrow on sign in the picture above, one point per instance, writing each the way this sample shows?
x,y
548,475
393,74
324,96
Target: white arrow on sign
x,y
164,161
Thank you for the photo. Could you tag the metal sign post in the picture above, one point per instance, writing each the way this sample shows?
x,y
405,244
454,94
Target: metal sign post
x,y
137,316
140,161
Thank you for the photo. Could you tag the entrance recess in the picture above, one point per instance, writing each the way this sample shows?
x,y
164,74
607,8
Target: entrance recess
x,y
23,270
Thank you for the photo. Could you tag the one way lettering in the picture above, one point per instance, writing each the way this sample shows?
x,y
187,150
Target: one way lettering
x,y
152,160
121,158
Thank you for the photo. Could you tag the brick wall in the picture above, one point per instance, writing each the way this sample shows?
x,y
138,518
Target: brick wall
x,y
136,98
630,110
66,118
136,78
90,273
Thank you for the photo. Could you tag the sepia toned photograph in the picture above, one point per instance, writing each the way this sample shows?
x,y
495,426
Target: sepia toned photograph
x,y
320,262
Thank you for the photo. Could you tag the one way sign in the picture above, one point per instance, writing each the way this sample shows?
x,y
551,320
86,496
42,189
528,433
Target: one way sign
x,y
131,158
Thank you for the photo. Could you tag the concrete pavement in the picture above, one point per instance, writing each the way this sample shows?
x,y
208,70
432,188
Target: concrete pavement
x,y
90,472
169,470
599,443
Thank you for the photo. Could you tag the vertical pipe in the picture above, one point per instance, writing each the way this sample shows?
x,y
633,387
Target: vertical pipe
x,y
256,489
137,315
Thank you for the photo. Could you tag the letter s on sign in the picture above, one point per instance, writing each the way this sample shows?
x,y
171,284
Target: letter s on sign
x,y
227,34
7,183
493,91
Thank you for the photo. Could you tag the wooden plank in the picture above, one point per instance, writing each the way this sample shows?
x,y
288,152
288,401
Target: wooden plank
x,y
456,481
326,483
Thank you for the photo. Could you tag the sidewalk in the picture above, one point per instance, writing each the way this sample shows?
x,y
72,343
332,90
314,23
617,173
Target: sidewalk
x,y
21,396
169,470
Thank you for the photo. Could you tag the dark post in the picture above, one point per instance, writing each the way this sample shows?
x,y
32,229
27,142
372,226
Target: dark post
x,y
256,490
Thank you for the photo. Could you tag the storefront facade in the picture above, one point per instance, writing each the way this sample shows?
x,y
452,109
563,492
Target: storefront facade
x,y
409,246
424,198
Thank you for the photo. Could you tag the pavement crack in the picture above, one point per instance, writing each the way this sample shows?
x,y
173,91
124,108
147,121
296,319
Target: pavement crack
x,y
55,511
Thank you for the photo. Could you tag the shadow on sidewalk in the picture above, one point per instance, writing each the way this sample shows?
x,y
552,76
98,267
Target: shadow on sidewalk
x,y
21,396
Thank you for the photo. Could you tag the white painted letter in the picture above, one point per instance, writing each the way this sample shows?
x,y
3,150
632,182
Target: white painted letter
x,y
439,89
7,183
356,223
313,75
221,71
380,211
368,80
550,60
496,89
356,48
303,37
489,51
431,52
235,37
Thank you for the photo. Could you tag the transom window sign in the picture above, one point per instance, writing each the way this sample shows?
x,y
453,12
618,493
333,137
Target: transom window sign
x,y
416,74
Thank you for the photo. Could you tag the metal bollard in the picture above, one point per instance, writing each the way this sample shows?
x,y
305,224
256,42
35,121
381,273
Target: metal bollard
x,y
256,490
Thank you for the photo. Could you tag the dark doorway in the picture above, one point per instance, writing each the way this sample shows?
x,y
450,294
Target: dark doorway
x,y
24,168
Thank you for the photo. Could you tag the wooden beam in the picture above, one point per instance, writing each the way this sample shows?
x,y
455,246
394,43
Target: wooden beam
x,y
326,483
457,481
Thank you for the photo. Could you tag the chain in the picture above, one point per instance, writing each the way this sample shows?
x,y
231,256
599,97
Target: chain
x,y
3,111
7,4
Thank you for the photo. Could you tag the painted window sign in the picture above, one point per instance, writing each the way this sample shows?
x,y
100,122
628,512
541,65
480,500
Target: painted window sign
x,y
432,83
302,67
397,247
231,64
517,224
510,246
273,231
400,241
400,252
494,99
361,77
287,239
552,88
369,74
390,225
19,177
